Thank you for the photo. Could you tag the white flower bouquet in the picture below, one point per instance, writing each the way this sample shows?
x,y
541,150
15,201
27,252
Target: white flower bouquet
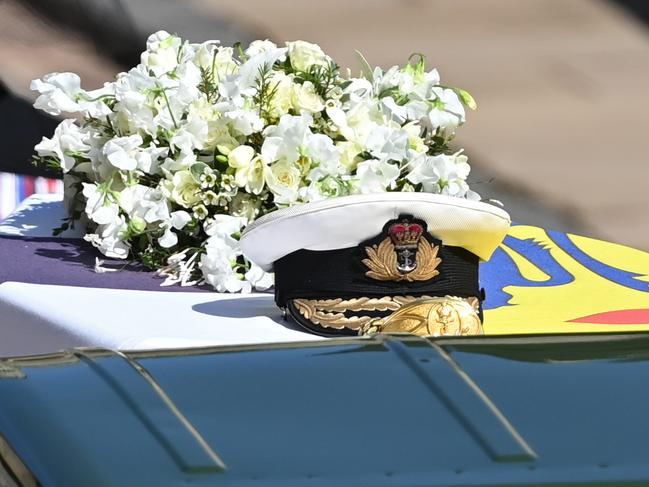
x,y
169,162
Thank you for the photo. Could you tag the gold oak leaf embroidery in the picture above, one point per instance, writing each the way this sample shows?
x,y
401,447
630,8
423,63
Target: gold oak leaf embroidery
x,y
382,262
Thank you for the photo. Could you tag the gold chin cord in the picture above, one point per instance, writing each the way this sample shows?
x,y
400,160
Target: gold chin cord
x,y
447,316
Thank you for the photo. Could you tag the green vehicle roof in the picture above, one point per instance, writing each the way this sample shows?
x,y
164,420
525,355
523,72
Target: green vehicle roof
x,y
388,410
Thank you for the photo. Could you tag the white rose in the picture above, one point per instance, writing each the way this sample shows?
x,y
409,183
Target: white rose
x,y
244,206
185,190
257,47
249,168
303,55
304,97
283,179
282,101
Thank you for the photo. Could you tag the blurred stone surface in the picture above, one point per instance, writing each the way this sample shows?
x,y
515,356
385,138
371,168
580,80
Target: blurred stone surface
x,y
559,135
31,47
561,87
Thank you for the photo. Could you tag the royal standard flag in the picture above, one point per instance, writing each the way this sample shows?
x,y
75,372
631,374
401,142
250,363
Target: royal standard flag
x,y
544,281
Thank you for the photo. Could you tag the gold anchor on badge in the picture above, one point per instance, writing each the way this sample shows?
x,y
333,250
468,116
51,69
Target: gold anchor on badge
x,y
403,255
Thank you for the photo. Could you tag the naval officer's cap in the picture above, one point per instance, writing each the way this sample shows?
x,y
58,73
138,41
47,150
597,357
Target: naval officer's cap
x,y
379,262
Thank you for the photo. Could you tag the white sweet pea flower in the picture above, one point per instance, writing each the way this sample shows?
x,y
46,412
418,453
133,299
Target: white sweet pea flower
x,y
359,90
218,263
177,220
224,226
303,55
356,123
259,279
387,143
108,239
217,266
443,173
376,176
99,207
121,152
168,239
192,135
161,55
148,158
245,121
133,113
284,141
324,157
249,70
68,139
59,92
448,112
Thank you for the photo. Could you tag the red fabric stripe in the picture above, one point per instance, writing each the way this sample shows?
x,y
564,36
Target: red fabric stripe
x,y
29,186
618,317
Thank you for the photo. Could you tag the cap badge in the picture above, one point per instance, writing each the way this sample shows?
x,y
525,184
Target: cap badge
x,y
404,255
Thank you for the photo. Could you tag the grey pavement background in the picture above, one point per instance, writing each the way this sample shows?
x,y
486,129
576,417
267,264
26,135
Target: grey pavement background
x,y
560,135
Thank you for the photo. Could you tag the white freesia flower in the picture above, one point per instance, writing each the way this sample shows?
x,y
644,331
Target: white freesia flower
x,y
250,168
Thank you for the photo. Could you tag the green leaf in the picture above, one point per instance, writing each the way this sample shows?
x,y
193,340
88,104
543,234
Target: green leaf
x,y
197,169
366,70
